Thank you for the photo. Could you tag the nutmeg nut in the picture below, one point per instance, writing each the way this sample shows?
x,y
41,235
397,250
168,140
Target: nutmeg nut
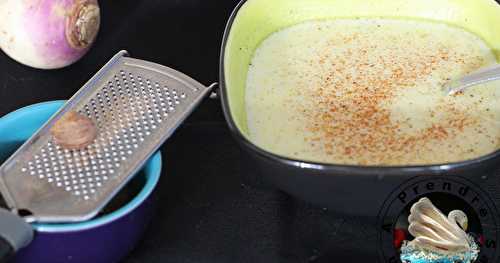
x,y
74,131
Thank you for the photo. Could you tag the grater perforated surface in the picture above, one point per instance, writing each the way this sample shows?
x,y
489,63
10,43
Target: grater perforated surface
x,y
136,105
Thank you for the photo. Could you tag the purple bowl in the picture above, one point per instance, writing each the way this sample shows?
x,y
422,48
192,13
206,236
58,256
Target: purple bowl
x,y
105,239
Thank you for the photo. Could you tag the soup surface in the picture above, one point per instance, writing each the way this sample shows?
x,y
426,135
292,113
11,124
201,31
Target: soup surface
x,y
370,92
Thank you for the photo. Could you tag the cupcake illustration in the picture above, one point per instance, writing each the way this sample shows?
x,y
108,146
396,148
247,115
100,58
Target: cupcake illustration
x,y
438,238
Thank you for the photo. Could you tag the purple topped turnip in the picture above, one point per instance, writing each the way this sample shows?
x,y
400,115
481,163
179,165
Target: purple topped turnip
x,y
48,34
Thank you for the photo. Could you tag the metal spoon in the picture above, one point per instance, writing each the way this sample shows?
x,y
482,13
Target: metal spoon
x,y
484,75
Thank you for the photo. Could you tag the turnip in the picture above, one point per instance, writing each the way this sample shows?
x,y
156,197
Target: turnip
x,y
48,34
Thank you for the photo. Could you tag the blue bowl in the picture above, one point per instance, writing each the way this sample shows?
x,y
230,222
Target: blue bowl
x,y
107,238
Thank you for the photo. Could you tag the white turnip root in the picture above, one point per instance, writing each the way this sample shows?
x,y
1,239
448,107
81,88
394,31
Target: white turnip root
x,y
48,34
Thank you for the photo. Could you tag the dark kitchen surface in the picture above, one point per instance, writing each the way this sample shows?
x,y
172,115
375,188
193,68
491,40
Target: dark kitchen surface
x,y
213,206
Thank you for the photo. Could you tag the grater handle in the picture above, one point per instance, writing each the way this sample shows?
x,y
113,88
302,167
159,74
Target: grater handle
x,y
6,251
15,234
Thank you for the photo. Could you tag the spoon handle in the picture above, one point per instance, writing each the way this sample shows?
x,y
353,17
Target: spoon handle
x,y
481,76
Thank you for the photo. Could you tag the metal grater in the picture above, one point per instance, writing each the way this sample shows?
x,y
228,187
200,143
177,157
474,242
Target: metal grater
x,y
136,105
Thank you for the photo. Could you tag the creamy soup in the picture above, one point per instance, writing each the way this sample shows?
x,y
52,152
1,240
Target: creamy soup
x,y
370,92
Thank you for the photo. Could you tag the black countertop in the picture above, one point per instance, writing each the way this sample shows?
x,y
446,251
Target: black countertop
x,y
213,205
